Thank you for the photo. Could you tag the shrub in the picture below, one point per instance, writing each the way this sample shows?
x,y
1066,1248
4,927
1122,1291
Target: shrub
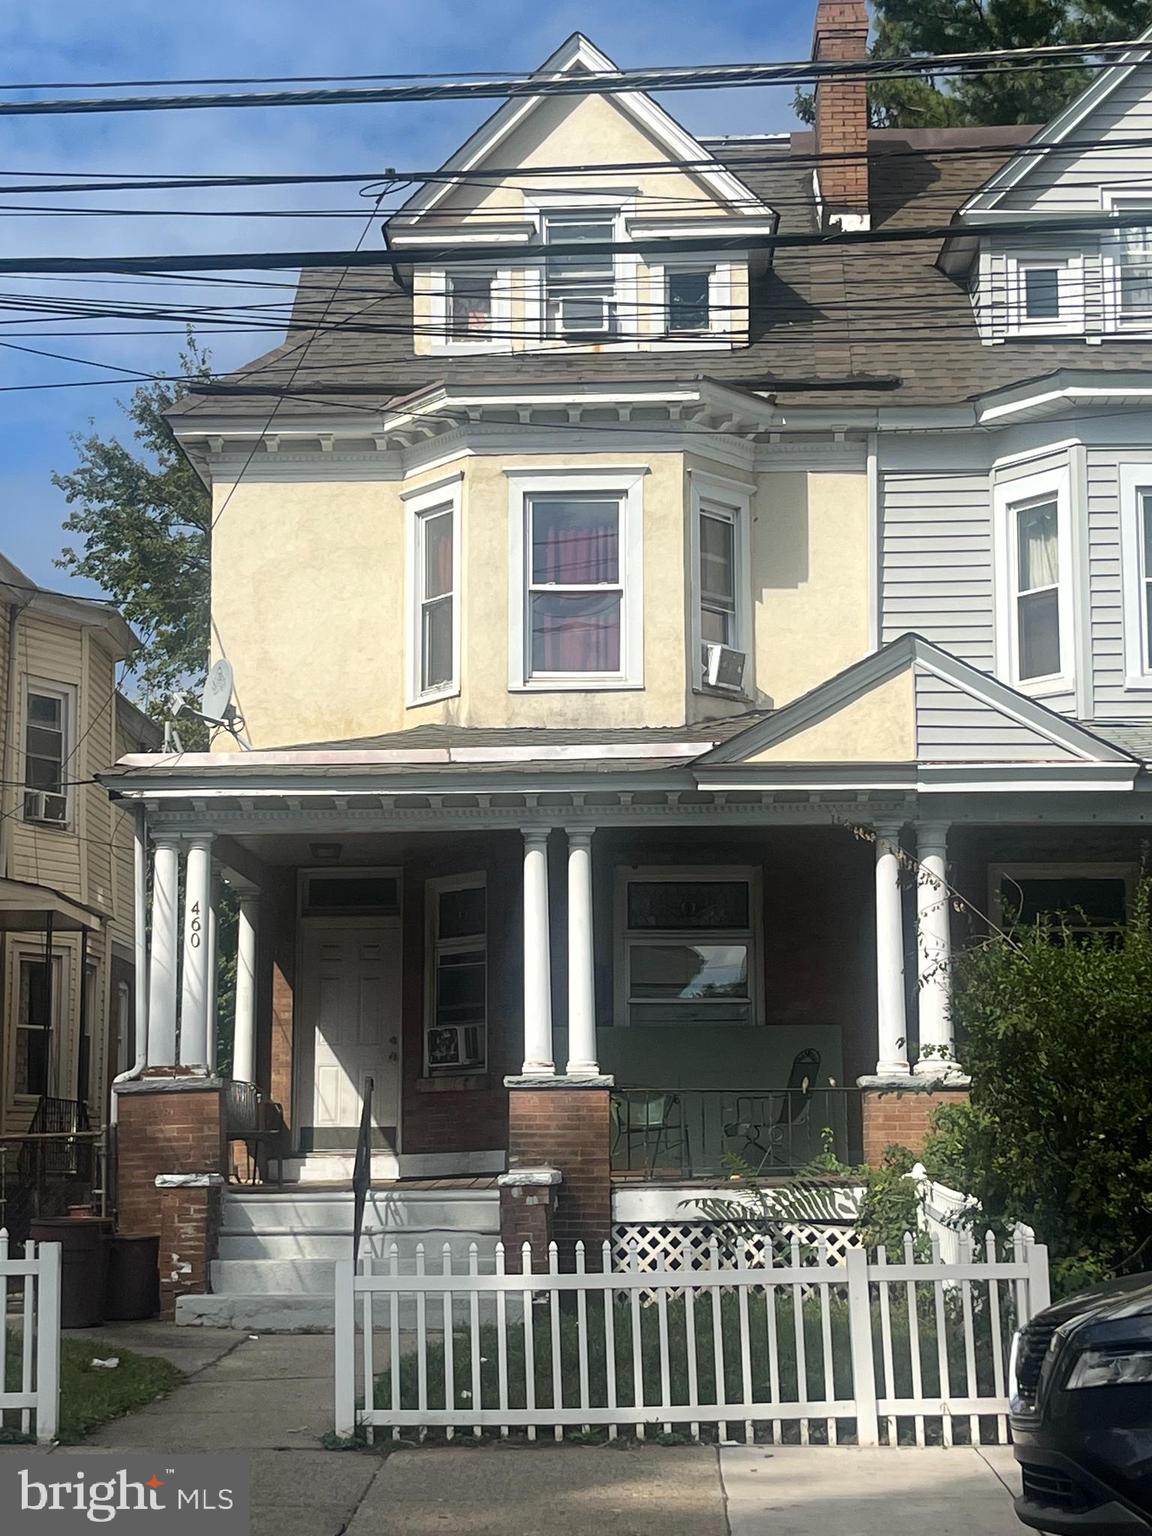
x,y
1057,1031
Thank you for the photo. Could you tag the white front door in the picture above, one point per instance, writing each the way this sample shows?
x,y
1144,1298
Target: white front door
x,y
351,997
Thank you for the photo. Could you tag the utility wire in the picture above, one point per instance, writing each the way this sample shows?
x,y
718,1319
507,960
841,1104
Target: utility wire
x,y
613,82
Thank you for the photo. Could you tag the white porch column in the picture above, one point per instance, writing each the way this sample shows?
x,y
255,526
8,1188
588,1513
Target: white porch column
x,y
162,957
581,984
537,957
195,985
933,948
244,1034
891,1024
213,969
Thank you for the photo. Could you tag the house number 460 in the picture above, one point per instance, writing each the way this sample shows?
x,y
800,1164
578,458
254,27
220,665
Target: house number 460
x,y
194,926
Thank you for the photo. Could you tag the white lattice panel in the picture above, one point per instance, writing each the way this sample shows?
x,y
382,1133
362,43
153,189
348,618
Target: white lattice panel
x,y
688,1244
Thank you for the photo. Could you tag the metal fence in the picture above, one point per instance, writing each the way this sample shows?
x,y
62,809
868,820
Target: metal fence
x,y
30,1382
659,1134
868,1350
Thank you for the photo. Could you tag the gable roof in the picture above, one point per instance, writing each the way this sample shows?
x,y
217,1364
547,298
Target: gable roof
x,y
1061,128
912,703
578,55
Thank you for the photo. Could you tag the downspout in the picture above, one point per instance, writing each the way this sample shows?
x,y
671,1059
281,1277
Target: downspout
x,y
140,978
875,546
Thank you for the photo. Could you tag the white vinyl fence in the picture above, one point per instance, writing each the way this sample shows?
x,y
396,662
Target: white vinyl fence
x,y
30,1352
868,1350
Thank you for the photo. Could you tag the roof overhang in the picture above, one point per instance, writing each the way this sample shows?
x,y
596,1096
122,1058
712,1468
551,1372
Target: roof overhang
x,y
27,908
1035,399
86,612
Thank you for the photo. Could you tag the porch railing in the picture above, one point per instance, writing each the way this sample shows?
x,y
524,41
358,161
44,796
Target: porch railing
x,y
694,1133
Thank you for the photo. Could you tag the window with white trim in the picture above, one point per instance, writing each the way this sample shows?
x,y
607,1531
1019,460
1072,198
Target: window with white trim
x,y
576,618
469,304
1033,537
38,1017
1040,284
46,729
1077,898
687,945
434,580
1136,540
722,582
1133,268
688,300
456,1012
579,290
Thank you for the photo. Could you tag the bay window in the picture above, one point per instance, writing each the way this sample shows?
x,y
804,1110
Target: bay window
x,y
456,1014
577,600
1034,555
723,597
687,950
434,593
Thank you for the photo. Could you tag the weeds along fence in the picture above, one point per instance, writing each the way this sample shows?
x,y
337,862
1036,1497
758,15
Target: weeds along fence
x,y
30,1351
872,1349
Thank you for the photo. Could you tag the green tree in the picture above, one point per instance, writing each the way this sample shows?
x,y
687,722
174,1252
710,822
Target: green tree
x,y
144,516
1004,95
1057,1026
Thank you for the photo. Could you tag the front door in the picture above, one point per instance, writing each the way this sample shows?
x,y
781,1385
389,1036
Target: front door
x,y
351,1018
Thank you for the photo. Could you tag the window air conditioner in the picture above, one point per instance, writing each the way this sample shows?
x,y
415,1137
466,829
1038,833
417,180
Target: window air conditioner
x,y
723,667
456,1045
585,315
44,805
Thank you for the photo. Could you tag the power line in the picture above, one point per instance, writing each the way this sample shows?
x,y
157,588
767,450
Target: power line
x,y
613,82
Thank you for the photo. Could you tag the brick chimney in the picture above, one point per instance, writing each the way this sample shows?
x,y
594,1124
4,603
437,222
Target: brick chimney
x,y
841,33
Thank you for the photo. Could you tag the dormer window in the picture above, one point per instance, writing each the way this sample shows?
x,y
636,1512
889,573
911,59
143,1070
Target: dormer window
x,y
469,304
688,308
1041,291
1134,270
580,290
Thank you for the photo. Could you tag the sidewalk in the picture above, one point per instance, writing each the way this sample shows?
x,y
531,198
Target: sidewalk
x,y
272,1398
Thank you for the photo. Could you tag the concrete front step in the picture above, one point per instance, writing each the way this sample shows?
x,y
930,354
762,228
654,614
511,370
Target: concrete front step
x,y
337,1244
298,1313
331,1211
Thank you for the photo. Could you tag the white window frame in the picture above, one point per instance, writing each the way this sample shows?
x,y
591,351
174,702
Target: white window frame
x,y
615,204
1135,482
1013,870
1008,496
23,950
440,315
1069,270
718,496
66,693
1111,249
434,946
673,874
443,497
628,485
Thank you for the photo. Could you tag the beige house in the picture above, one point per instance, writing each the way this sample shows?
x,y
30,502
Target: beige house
x,y
66,879
636,641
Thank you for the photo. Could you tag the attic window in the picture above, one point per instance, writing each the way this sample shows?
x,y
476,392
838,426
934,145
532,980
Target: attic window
x,y
580,290
688,301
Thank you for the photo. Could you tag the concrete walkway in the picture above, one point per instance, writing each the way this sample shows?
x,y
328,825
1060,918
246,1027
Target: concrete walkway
x,y
272,1397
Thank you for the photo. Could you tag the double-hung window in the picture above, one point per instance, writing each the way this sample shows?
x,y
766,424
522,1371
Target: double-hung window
x,y
720,559
46,725
688,301
457,1005
577,600
37,1019
1033,534
687,946
1134,275
1136,536
434,582
469,305
580,289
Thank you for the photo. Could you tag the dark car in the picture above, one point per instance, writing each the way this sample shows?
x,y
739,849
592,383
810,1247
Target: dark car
x,y
1080,1389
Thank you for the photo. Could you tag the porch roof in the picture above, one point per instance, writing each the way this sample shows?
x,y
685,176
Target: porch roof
x,y
26,908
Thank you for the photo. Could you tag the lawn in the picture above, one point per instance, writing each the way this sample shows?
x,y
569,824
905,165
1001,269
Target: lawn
x,y
90,1396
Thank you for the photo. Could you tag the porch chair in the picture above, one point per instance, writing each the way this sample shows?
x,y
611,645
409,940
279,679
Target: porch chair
x,y
766,1122
654,1120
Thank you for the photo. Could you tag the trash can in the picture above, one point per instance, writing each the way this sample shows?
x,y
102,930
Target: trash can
x,y
133,1290
83,1265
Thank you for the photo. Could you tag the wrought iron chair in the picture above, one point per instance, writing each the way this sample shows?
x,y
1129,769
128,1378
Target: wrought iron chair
x,y
655,1120
765,1123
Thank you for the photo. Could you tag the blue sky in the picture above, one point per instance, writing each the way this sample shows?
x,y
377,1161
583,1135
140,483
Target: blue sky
x,y
72,40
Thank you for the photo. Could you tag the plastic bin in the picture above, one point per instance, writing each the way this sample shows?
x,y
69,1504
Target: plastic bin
x,y
83,1265
133,1290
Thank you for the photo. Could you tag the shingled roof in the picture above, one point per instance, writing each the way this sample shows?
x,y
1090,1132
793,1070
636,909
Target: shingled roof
x,y
872,324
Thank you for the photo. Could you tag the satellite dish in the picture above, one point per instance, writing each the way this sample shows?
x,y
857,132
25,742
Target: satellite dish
x,y
216,700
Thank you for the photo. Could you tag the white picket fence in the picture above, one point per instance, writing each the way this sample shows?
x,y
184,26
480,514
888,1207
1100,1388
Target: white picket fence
x,y
34,1406
868,1350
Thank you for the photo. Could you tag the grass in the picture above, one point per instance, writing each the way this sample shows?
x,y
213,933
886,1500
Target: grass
x,y
798,1377
91,1397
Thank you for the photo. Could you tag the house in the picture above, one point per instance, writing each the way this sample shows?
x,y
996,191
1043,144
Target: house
x,y
621,588
67,958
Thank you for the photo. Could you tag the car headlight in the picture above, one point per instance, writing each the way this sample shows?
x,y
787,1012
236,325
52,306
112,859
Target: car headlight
x,y
1121,1367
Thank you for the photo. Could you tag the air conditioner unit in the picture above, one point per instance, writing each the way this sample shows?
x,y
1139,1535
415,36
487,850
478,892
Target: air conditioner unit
x,y
723,666
455,1045
45,805
584,315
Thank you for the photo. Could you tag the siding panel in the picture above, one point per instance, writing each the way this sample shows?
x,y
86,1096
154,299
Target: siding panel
x,y
952,726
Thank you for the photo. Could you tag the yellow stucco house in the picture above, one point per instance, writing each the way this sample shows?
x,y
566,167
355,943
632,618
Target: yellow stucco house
x,y
639,649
